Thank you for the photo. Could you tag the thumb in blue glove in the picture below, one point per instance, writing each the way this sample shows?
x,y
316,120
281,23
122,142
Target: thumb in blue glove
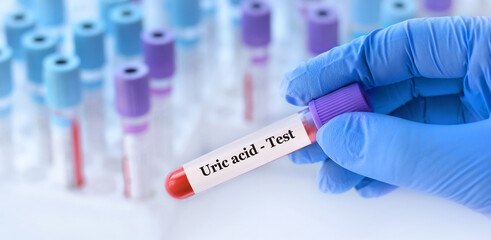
x,y
428,81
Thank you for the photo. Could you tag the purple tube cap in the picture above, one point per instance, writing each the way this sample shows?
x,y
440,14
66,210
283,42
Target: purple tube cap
x,y
158,51
438,5
132,90
347,99
256,23
322,27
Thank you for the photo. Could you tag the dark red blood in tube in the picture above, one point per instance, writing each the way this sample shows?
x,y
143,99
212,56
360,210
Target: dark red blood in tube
x,y
177,184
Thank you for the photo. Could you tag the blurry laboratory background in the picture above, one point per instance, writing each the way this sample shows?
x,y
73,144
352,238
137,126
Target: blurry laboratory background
x,y
100,99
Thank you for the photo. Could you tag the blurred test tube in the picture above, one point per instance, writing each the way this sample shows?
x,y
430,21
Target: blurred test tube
x,y
256,36
322,29
158,51
364,16
395,11
50,15
133,106
63,97
37,45
89,47
6,88
186,18
105,8
16,25
437,8
127,24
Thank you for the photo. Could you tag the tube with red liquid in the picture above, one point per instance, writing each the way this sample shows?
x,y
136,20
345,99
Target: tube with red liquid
x,y
63,97
264,146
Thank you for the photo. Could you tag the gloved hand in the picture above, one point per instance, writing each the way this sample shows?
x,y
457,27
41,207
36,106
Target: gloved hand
x,y
429,84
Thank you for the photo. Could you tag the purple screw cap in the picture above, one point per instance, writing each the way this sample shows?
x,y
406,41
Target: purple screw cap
x,y
347,99
256,23
438,5
158,51
132,90
322,29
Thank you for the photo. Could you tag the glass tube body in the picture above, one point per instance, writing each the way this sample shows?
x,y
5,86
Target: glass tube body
x,y
136,160
256,84
6,146
161,121
40,125
66,145
93,113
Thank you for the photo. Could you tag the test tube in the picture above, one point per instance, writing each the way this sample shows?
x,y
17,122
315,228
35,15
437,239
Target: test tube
x,y
395,11
322,29
50,14
133,106
126,21
105,9
259,148
89,47
365,15
37,45
256,36
63,97
185,17
158,52
26,4
6,88
437,8
16,24
235,10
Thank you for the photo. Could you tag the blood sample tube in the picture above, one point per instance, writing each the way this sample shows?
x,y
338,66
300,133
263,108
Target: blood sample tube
x,y
89,47
133,106
256,36
50,15
63,97
126,21
270,143
365,15
105,9
322,29
395,11
6,88
437,8
158,52
37,45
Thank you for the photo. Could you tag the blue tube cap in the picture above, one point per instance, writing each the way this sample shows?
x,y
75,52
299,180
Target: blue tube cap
x,y
127,23
37,45
365,11
184,13
395,11
105,9
62,81
88,36
50,13
27,4
16,24
6,85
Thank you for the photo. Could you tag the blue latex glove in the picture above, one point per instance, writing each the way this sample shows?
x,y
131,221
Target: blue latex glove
x,y
429,84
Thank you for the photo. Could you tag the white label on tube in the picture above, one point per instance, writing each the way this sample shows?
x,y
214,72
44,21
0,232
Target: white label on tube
x,y
248,153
